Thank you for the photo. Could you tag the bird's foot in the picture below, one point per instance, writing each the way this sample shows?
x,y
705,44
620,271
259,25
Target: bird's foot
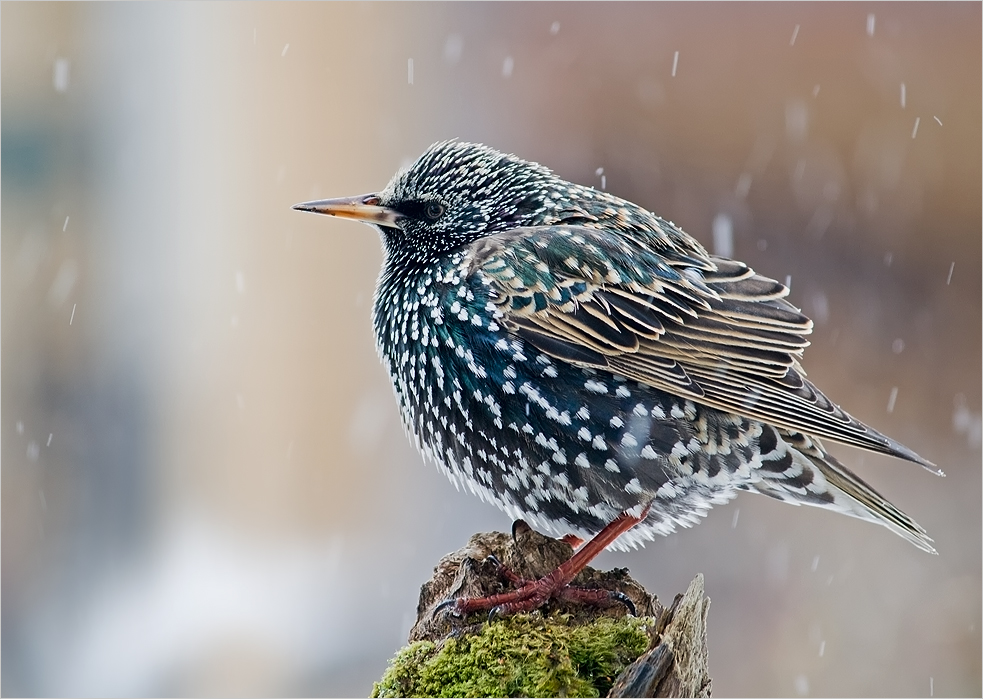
x,y
532,594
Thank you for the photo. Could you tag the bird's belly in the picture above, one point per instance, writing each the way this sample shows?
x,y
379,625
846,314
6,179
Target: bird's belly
x,y
563,447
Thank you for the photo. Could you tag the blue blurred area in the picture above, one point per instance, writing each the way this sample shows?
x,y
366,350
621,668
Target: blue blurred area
x,y
205,486
27,160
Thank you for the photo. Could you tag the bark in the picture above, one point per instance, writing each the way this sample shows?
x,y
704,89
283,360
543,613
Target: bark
x,y
673,665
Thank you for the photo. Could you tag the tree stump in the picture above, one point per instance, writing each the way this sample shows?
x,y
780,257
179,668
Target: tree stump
x,y
561,649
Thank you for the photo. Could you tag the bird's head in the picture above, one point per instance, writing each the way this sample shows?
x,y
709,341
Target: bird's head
x,y
453,194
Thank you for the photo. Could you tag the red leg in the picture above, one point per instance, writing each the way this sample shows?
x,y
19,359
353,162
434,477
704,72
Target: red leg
x,y
572,539
506,573
533,594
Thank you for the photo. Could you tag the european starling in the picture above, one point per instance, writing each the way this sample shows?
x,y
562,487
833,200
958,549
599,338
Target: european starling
x,y
589,367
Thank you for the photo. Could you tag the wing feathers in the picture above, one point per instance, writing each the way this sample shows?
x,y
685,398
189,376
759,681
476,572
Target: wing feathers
x,y
561,348
721,335
637,316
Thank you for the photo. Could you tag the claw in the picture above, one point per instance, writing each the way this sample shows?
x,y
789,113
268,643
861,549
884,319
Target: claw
x,y
452,602
625,600
491,558
531,594
519,527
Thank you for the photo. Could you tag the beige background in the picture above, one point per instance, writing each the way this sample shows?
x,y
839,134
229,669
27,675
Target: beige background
x,y
205,486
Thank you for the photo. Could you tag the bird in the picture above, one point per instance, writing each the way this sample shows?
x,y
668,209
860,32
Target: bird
x,y
590,368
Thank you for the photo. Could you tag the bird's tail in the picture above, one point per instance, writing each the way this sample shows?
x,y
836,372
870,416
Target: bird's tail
x,y
804,474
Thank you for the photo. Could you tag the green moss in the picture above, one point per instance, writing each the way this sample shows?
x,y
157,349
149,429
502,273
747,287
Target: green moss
x,y
523,655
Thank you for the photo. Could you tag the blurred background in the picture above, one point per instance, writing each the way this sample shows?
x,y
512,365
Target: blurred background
x,y
205,486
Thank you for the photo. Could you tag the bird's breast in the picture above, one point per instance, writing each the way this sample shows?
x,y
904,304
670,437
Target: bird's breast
x,y
565,447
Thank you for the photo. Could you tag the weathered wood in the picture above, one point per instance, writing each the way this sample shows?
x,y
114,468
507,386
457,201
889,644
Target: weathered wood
x,y
530,555
674,664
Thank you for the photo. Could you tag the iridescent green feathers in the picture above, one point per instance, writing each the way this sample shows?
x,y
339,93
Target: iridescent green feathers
x,y
722,335
570,355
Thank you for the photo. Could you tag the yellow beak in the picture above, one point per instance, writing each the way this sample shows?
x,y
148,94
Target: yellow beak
x,y
364,208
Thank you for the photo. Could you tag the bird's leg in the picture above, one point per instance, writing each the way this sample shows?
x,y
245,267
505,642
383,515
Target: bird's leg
x,y
519,527
572,539
578,595
532,595
507,573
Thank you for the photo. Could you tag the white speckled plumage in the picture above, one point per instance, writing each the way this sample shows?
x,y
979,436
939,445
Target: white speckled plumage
x,y
568,356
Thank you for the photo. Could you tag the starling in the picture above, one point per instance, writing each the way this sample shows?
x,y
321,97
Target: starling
x,y
587,366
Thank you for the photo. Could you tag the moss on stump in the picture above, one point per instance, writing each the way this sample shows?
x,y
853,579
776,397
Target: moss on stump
x,y
525,655
562,649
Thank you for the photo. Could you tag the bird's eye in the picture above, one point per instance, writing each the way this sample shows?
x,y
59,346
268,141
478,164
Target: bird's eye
x,y
421,210
433,211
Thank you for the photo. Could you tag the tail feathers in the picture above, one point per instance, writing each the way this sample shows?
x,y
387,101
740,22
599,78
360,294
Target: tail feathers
x,y
812,477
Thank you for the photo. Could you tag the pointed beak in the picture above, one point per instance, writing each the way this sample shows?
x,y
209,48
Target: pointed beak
x,y
365,208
